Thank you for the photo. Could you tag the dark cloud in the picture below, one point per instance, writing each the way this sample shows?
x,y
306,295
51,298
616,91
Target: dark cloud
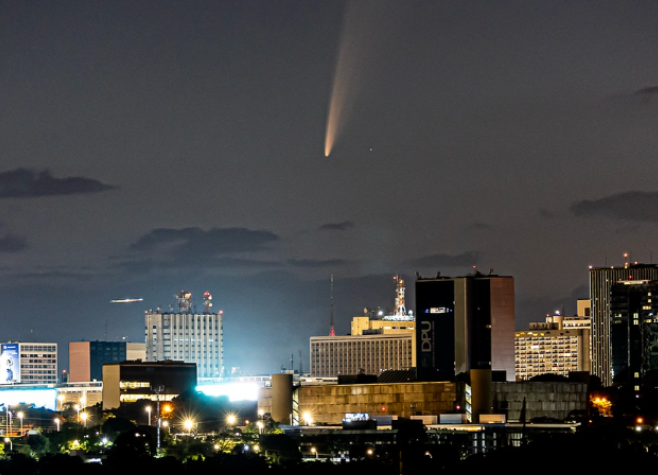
x,y
445,260
545,213
24,183
316,263
12,243
190,242
631,206
647,91
343,226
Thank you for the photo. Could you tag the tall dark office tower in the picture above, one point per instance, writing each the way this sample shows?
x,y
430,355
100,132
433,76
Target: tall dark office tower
x,y
601,280
464,323
634,332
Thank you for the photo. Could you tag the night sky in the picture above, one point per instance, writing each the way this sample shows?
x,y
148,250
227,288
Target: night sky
x,y
154,146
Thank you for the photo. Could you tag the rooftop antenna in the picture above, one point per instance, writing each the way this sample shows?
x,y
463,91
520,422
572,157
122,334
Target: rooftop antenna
x,y
184,301
331,321
300,362
400,309
207,302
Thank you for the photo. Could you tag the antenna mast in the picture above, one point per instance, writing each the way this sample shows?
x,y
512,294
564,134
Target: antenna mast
x,y
400,309
332,332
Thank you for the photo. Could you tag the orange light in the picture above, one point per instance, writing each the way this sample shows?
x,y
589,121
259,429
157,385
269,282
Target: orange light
x,y
639,420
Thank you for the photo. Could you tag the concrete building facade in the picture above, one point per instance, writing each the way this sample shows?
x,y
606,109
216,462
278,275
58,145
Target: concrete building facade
x,y
329,404
189,337
464,323
353,354
86,358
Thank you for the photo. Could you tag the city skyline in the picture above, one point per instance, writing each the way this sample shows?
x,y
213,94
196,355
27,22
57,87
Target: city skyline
x,y
252,151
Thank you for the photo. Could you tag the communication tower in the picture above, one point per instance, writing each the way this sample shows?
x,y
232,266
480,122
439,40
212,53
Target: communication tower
x,y
207,302
184,301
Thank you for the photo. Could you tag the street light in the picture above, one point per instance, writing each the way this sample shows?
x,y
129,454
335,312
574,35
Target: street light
x,y
84,418
261,413
20,417
308,418
57,423
188,426
260,426
315,451
11,444
148,410
230,419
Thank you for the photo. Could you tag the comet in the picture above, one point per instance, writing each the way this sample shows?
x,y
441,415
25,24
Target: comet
x,y
125,300
359,38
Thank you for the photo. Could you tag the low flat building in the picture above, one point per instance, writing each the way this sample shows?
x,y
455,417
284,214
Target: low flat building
x,y
332,356
130,381
473,402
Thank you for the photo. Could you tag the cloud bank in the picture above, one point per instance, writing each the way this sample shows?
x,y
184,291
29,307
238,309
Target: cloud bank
x,y
25,183
343,226
630,206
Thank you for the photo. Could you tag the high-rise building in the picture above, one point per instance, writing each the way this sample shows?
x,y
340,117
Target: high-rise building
x,y
634,333
86,358
560,345
28,363
601,280
187,336
464,323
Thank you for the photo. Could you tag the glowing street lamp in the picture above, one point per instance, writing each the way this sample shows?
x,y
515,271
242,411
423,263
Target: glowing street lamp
x,y
261,413
84,418
230,420
260,426
20,418
11,444
308,418
188,426
148,410
315,451
57,423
